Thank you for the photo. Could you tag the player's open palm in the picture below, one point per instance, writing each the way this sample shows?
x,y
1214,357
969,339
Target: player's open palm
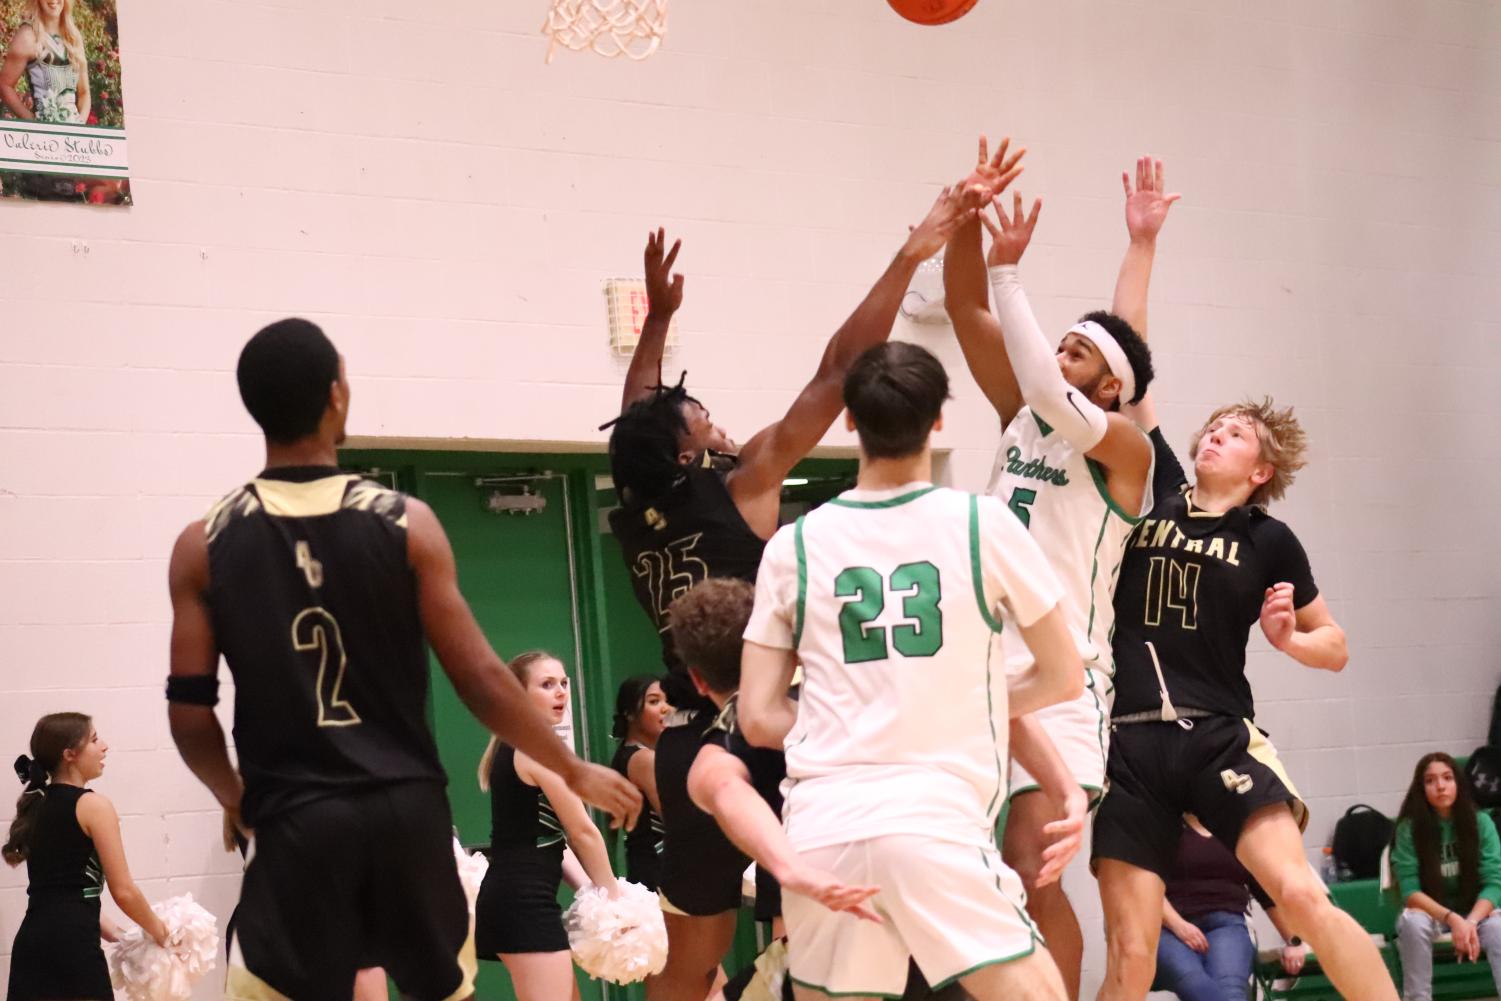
x,y
992,174
1009,237
1278,619
610,791
664,290
831,893
1146,207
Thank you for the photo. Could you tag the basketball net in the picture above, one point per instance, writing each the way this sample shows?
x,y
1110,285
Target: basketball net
x,y
611,28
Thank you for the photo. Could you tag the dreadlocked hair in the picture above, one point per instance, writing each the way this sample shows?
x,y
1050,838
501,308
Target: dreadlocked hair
x,y
644,445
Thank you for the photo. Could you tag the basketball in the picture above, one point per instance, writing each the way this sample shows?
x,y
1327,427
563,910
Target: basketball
x,y
931,11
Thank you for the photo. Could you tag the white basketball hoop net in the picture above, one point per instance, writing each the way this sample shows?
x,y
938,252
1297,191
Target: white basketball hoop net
x,y
611,28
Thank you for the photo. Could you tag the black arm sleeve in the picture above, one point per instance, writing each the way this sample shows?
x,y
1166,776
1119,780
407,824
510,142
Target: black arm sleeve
x,y
1167,473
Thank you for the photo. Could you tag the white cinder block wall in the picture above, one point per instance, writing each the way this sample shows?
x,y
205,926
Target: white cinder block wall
x,y
416,179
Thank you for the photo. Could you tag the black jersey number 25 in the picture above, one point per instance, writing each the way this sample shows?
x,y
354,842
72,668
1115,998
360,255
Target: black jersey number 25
x,y
316,631
918,586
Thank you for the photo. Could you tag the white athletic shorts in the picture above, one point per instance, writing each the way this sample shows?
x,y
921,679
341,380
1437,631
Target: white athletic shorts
x,y
1080,730
951,907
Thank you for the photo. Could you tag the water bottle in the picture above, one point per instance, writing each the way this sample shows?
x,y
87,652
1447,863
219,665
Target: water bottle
x,y
1331,871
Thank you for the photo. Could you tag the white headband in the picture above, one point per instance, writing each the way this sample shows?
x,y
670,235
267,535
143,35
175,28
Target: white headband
x,y
1115,357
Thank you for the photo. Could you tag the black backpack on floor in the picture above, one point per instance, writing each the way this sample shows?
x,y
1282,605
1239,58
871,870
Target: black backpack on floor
x,y
1360,836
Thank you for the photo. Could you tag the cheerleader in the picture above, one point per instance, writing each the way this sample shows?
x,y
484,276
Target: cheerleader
x,y
641,709
533,813
69,838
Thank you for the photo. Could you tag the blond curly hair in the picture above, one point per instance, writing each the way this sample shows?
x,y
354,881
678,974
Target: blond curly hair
x,y
1284,443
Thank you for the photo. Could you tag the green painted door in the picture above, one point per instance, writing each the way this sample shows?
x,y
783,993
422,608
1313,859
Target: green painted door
x,y
553,578
517,572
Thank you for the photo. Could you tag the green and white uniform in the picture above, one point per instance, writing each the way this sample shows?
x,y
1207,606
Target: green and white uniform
x,y
896,762
1060,496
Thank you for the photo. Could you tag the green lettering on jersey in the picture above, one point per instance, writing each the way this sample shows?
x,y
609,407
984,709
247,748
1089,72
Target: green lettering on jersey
x,y
1036,469
862,641
1021,505
919,585
920,589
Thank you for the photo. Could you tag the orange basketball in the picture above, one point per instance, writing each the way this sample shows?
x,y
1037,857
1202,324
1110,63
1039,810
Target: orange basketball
x,y
932,11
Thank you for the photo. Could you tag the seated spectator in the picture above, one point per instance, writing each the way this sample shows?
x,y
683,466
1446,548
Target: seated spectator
x,y
1205,952
1447,862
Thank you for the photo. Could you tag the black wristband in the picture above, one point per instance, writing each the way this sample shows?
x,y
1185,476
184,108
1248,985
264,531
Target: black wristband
x,y
194,690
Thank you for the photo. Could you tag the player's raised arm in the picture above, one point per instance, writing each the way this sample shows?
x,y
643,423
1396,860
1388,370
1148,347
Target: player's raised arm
x,y
966,297
1146,210
664,295
766,459
1106,436
484,683
193,682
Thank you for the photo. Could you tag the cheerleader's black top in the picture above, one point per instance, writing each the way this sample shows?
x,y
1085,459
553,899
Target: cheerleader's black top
x,y
643,843
56,954
517,909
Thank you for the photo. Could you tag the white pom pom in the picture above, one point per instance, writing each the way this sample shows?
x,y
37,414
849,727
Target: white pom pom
x,y
147,972
472,869
622,940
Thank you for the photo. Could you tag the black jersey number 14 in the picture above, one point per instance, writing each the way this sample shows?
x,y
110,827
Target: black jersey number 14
x,y
1172,587
918,586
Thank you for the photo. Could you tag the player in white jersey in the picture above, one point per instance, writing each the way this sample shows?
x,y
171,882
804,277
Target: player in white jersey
x,y
890,596
1078,475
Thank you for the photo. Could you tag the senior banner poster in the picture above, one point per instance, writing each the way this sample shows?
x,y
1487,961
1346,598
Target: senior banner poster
x,y
62,118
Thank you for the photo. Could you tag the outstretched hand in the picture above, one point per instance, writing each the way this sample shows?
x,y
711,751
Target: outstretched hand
x,y
1146,207
954,206
993,174
1009,237
830,892
664,290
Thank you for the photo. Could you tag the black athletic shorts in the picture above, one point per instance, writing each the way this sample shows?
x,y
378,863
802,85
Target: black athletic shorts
x,y
365,878
1221,770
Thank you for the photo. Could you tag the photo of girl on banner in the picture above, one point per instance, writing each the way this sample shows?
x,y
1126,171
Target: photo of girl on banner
x,y
62,118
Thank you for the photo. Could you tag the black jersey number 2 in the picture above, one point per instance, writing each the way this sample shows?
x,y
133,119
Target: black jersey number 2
x,y
920,590
315,630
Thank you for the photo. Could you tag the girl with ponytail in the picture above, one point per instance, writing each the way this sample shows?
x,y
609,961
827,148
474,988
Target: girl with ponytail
x,y
69,838
532,814
641,710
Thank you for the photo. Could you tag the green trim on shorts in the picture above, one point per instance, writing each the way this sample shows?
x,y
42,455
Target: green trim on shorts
x,y
1026,921
989,962
1096,793
840,994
